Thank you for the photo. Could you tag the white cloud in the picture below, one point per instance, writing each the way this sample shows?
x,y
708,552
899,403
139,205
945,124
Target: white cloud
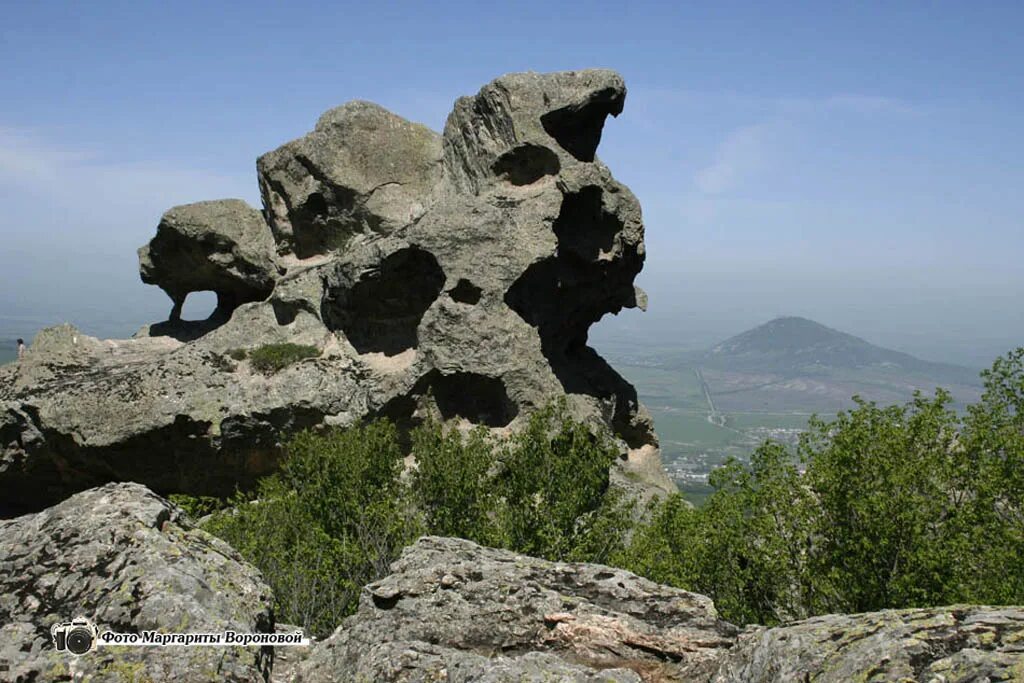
x,y
742,154
78,177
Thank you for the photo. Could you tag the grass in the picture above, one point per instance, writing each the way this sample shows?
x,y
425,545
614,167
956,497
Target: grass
x,y
755,420
271,358
691,428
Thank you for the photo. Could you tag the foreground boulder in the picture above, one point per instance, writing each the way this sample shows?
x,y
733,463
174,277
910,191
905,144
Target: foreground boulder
x,y
453,610
450,610
452,276
951,645
128,560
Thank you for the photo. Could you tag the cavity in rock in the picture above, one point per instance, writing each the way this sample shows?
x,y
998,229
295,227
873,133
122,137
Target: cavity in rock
x,y
526,164
381,311
577,128
465,292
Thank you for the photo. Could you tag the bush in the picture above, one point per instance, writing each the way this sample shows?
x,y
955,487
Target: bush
x,y
331,521
903,506
238,354
339,510
271,358
553,482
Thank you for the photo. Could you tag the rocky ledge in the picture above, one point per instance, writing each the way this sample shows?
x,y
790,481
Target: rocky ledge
x,y
131,562
452,276
450,611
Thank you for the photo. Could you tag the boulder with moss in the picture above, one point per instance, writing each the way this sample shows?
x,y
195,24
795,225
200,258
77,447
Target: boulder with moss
x,y
130,562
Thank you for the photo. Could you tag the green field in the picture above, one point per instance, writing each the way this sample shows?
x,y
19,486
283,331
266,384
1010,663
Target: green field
x,y
692,446
754,420
666,388
690,429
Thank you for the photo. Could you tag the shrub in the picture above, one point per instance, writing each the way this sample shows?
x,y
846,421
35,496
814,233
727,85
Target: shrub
x,y
339,510
331,520
271,358
237,354
902,506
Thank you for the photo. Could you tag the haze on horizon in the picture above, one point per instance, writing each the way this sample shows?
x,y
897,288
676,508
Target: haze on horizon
x,y
861,168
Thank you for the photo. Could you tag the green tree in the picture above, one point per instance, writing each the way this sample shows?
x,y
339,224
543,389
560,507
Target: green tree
x,y
889,520
331,520
452,483
554,484
899,506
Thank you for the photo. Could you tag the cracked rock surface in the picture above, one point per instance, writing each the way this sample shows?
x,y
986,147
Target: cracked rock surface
x,y
129,561
936,645
450,275
453,610
450,610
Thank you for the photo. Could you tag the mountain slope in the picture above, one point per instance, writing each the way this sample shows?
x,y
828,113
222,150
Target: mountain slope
x,y
797,365
798,346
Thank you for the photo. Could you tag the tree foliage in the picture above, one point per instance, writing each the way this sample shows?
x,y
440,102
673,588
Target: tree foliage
x,y
900,506
341,508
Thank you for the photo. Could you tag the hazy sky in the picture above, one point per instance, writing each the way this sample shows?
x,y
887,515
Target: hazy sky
x,y
860,166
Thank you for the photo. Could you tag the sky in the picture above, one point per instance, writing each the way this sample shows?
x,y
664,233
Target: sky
x,y
860,164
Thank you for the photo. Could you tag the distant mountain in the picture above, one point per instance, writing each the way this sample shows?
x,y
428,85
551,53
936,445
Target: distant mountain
x,y
795,364
798,346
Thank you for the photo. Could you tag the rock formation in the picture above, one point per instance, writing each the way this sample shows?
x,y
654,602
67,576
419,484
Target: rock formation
x,y
948,644
453,610
450,611
130,562
453,276
220,246
458,612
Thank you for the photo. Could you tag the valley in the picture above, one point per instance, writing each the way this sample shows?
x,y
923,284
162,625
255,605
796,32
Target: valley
x,y
709,406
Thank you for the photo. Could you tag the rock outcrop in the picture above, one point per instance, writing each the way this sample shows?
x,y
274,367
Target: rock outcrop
x,y
129,561
450,610
453,610
947,644
453,276
222,246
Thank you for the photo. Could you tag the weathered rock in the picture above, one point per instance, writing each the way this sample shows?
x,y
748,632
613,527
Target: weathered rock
x,y
220,246
127,560
949,644
452,276
362,171
453,610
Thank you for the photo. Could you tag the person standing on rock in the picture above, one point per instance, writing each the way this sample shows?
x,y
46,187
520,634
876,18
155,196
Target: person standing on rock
x,y
21,348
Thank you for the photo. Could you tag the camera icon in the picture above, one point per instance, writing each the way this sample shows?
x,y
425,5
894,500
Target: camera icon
x,y
77,636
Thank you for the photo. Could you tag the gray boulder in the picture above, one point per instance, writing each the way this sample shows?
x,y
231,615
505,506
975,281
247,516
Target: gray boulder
x,y
948,645
453,610
221,246
453,277
129,561
362,171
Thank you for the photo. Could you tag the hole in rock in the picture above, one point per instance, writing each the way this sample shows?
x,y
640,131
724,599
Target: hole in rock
x,y
385,602
526,164
480,399
315,205
465,292
381,311
326,220
577,128
199,306
583,226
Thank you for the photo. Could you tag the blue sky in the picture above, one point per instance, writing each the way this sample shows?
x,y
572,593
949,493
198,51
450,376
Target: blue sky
x,y
860,165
